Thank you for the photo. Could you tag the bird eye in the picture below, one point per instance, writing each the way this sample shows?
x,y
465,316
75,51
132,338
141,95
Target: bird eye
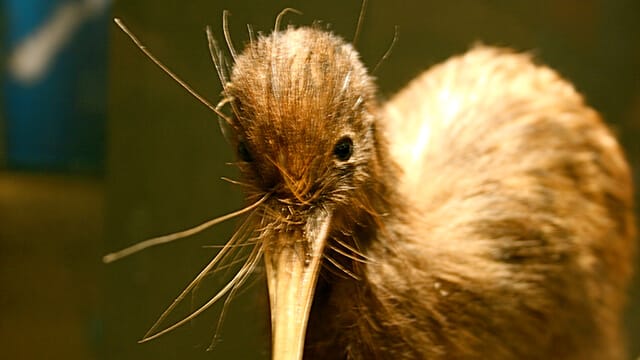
x,y
343,148
243,152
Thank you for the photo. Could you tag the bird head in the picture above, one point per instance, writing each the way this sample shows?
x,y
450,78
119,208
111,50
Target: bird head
x,y
303,125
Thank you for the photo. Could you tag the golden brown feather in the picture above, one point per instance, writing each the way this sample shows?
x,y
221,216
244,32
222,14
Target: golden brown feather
x,y
492,205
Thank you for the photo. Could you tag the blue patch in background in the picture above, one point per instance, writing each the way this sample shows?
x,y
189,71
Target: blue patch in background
x,y
55,120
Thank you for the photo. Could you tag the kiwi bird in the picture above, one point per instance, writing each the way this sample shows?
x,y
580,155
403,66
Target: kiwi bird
x,y
484,211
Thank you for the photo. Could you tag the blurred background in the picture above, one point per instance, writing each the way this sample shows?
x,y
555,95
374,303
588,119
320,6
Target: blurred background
x,y
99,149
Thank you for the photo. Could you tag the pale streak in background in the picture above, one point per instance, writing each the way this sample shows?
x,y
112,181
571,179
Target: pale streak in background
x,y
29,61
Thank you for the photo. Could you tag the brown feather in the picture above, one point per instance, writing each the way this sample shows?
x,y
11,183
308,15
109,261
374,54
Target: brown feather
x,y
494,205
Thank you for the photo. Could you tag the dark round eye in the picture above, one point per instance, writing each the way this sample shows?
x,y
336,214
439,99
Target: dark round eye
x,y
343,148
243,152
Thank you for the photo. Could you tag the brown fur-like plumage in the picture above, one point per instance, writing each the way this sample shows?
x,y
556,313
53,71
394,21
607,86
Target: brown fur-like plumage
x,y
486,211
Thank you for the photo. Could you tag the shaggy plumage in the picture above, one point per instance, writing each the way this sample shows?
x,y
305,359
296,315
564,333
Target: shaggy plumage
x,y
485,212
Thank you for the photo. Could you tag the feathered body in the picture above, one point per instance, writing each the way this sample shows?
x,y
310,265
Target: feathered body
x,y
485,211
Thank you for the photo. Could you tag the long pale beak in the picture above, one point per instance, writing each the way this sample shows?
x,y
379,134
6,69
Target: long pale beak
x,y
292,263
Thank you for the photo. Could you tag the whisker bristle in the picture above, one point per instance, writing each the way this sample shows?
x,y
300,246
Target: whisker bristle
x,y
179,235
240,275
340,267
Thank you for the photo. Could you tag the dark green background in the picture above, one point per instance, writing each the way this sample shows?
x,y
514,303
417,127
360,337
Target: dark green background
x,y
166,154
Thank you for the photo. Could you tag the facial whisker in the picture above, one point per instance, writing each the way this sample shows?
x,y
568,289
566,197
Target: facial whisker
x,y
227,37
166,69
220,65
244,244
350,256
388,52
178,235
239,250
209,274
276,26
254,280
230,264
238,277
222,69
252,37
240,183
212,264
353,250
332,269
226,100
216,57
239,254
251,264
340,267
356,35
